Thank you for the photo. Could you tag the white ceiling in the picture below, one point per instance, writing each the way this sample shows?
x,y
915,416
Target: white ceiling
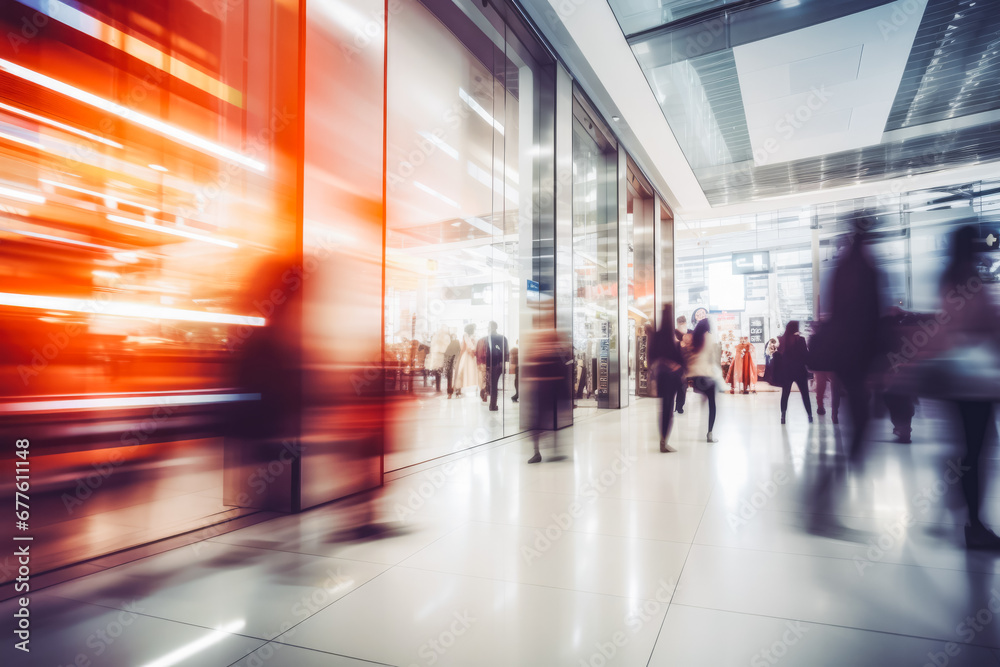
x,y
590,41
592,29
826,88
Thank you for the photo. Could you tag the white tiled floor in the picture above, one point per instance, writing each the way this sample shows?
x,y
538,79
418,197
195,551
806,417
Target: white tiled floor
x,y
619,555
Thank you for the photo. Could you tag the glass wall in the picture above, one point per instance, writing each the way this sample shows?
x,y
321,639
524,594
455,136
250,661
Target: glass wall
x,y
148,161
242,272
595,263
463,180
641,222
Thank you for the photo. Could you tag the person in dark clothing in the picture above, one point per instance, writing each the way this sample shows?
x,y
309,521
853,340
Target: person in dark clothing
x,y
897,392
548,376
450,361
516,371
665,357
497,354
483,366
684,341
793,351
853,335
854,324
972,321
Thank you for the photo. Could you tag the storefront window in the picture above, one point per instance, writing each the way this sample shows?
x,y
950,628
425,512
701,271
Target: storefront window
x,y
147,162
463,185
595,266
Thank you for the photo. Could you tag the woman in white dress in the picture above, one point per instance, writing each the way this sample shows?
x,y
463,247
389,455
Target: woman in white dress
x,y
467,374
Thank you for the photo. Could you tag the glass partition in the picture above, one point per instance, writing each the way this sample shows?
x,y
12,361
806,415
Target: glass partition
x,y
148,159
595,265
464,145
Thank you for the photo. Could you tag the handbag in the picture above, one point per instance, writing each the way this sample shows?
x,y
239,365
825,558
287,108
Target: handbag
x,y
774,374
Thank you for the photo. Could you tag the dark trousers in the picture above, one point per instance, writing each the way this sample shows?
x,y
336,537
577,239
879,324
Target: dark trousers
x,y
449,372
976,417
667,386
802,383
493,379
901,411
581,384
823,380
706,387
681,393
855,388
517,376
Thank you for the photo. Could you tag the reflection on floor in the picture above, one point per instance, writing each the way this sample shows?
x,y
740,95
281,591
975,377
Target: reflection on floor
x,y
427,424
619,555
82,510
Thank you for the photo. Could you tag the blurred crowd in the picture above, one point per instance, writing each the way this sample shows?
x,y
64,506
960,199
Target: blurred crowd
x,y
870,358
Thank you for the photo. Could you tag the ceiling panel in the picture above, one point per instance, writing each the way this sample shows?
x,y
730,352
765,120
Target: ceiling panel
x,y
954,67
907,87
850,63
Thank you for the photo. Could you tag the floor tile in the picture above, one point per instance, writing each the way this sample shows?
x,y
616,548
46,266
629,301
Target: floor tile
x,y
690,636
447,619
65,632
209,584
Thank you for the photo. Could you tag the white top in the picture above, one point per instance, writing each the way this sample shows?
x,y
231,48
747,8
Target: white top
x,y
705,363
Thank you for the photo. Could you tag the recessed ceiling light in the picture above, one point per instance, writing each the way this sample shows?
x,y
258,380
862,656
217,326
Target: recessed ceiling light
x,y
158,167
616,118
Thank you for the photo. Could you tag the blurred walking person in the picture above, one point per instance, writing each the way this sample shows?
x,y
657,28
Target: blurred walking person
x,y
826,379
793,353
705,369
451,354
497,355
971,326
668,363
546,372
683,337
854,330
467,374
846,344
515,371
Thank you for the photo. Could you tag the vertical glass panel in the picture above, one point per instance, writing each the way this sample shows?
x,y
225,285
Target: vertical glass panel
x,y
342,407
595,269
147,160
462,133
